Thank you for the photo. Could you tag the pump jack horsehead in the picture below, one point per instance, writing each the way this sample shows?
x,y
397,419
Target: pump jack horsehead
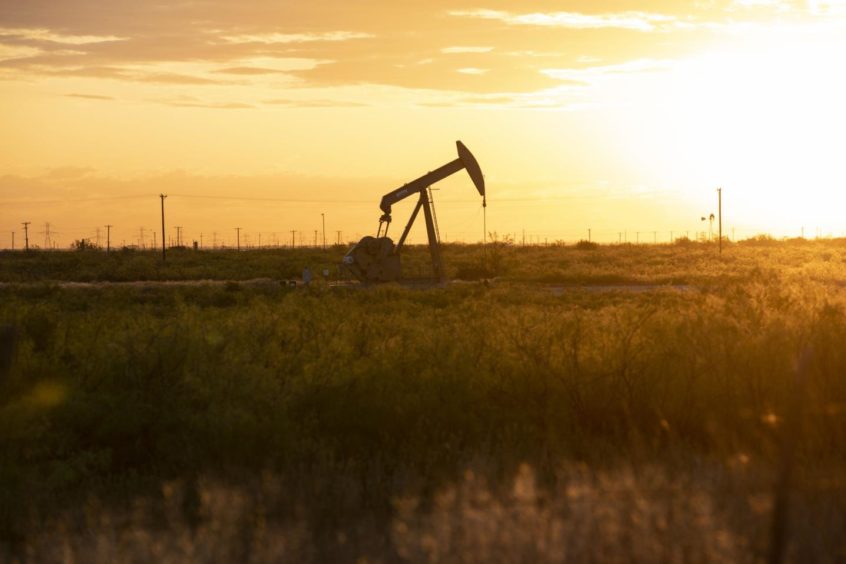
x,y
377,259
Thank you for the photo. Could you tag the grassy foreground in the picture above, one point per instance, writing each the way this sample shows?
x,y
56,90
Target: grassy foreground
x,y
484,423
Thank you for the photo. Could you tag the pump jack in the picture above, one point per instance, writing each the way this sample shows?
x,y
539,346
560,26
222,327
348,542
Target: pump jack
x,y
377,259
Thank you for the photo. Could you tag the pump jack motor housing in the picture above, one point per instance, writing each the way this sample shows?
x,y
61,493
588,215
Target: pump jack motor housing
x,y
377,259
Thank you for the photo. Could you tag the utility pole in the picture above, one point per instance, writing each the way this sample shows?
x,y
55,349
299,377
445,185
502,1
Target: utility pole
x,y
178,235
214,239
588,234
339,237
201,240
619,237
323,217
315,238
109,239
98,237
141,237
13,240
293,238
162,196
238,237
720,215
26,234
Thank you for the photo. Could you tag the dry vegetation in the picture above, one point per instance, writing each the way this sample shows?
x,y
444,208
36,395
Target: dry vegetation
x,y
504,422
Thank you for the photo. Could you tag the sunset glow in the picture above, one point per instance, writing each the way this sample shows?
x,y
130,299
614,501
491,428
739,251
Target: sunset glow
x,y
263,114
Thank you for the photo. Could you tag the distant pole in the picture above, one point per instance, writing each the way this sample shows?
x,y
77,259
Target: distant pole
x,y
109,239
323,217
26,235
339,237
201,240
13,240
637,238
238,237
315,238
259,243
48,242
164,256
293,238
589,234
720,216
154,241
619,237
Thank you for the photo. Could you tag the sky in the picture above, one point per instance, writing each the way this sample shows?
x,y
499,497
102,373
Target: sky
x,y
621,116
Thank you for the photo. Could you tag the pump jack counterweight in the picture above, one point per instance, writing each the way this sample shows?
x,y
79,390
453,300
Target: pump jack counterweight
x,y
377,259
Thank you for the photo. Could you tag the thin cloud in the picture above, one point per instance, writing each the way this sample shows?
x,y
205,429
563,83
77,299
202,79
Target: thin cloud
x,y
634,21
10,52
248,71
316,103
465,49
89,96
211,106
43,34
472,70
284,38
589,74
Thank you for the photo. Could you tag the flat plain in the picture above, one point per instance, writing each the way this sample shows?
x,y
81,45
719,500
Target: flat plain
x,y
518,415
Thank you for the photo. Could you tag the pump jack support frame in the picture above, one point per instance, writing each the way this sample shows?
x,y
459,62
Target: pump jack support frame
x,y
431,232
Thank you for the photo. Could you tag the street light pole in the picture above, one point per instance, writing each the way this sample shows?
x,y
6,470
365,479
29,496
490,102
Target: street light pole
x,y
323,217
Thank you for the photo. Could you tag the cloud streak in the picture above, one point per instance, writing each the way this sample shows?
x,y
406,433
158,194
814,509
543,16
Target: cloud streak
x,y
633,21
90,96
43,34
286,38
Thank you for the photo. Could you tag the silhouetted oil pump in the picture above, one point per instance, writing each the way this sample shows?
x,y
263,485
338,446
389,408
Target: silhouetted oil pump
x,y
377,259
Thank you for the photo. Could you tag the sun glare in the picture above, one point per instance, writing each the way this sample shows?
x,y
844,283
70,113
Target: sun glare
x,y
767,119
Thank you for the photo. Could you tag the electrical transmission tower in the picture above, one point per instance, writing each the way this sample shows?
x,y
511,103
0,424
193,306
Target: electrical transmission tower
x,y
48,242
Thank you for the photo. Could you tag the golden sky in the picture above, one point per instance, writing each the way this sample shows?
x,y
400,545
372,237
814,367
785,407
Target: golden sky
x,y
619,116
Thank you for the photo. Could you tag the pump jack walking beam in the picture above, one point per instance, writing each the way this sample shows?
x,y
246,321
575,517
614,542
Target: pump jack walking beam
x,y
465,160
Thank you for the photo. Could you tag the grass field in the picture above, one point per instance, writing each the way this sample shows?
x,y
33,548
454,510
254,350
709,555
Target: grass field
x,y
475,422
